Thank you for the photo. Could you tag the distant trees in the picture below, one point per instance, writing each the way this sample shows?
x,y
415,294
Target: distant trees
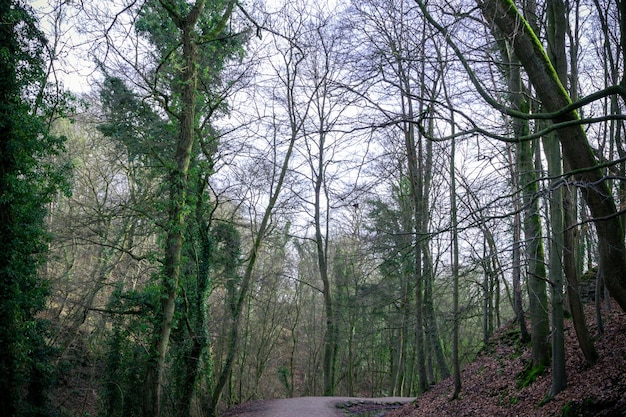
x,y
409,85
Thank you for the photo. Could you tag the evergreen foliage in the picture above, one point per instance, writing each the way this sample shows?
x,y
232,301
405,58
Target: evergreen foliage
x,y
28,181
149,132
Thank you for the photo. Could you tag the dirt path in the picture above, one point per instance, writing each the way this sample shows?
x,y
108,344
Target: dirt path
x,y
304,406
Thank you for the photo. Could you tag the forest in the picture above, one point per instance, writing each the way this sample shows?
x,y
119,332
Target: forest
x,y
209,202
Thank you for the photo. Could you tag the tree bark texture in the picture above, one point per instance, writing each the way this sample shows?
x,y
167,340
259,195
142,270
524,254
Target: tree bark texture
x,y
553,156
538,300
455,274
330,335
518,308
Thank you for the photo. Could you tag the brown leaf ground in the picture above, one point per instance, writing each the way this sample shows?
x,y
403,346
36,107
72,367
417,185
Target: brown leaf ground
x,y
490,383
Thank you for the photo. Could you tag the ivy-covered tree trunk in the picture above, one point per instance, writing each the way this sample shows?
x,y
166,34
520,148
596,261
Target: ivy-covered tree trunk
x,y
193,357
184,36
178,185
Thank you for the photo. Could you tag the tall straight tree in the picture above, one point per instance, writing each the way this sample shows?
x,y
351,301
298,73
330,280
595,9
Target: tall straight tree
x,y
455,268
186,20
180,33
28,181
516,254
556,29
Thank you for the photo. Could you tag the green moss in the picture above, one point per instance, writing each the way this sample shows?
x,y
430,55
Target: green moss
x,y
567,409
529,375
540,51
589,275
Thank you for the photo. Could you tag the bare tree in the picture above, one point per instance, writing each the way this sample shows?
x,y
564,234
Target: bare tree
x,y
576,150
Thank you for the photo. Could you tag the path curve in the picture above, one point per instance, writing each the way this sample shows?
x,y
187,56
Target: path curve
x,y
304,406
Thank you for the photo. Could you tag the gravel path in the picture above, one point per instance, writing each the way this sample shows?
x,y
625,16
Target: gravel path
x,y
304,406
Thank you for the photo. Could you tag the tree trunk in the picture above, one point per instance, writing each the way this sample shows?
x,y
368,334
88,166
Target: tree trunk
x,y
197,332
330,336
431,330
553,156
517,255
556,49
177,205
178,186
416,194
455,272
538,301
571,269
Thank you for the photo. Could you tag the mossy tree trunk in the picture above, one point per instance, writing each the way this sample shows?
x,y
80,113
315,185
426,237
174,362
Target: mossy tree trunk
x,y
177,201
526,177
537,297
577,152
185,20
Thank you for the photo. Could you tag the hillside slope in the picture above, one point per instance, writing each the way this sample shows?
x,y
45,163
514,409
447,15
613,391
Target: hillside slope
x,y
490,383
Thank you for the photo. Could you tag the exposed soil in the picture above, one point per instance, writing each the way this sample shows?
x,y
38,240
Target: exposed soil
x,y
315,407
359,408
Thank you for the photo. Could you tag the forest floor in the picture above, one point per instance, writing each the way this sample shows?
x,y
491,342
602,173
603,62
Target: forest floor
x,y
315,407
490,384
